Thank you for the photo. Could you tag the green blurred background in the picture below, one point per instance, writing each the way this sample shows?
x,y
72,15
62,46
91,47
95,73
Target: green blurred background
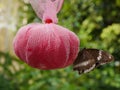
x,y
96,23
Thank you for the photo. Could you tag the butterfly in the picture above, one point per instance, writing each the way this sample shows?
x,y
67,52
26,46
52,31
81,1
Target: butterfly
x,y
89,59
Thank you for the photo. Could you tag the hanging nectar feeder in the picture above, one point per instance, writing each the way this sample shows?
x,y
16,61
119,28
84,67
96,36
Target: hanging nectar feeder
x,y
46,46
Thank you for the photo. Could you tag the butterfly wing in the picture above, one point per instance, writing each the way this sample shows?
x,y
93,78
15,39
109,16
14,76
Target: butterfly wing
x,y
88,59
84,62
101,57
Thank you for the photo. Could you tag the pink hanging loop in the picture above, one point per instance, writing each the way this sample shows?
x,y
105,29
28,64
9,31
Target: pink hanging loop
x,y
47,9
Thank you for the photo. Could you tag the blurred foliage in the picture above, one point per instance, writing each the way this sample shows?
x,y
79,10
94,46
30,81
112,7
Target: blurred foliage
x,y
97,24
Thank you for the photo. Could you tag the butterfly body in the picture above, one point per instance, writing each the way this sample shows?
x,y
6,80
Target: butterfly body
x,y
88,59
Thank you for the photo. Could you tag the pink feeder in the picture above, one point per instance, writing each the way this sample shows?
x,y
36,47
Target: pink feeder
x,y
46,46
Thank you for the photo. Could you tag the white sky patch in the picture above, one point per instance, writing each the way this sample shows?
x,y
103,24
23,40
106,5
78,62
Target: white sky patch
x,y
9,15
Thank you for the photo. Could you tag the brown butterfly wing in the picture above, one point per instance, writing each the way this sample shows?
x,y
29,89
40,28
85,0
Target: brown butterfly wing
x,y
88,59
101,57
84,62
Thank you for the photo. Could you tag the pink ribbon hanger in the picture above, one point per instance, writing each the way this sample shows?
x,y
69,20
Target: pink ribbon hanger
x,y
47,9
